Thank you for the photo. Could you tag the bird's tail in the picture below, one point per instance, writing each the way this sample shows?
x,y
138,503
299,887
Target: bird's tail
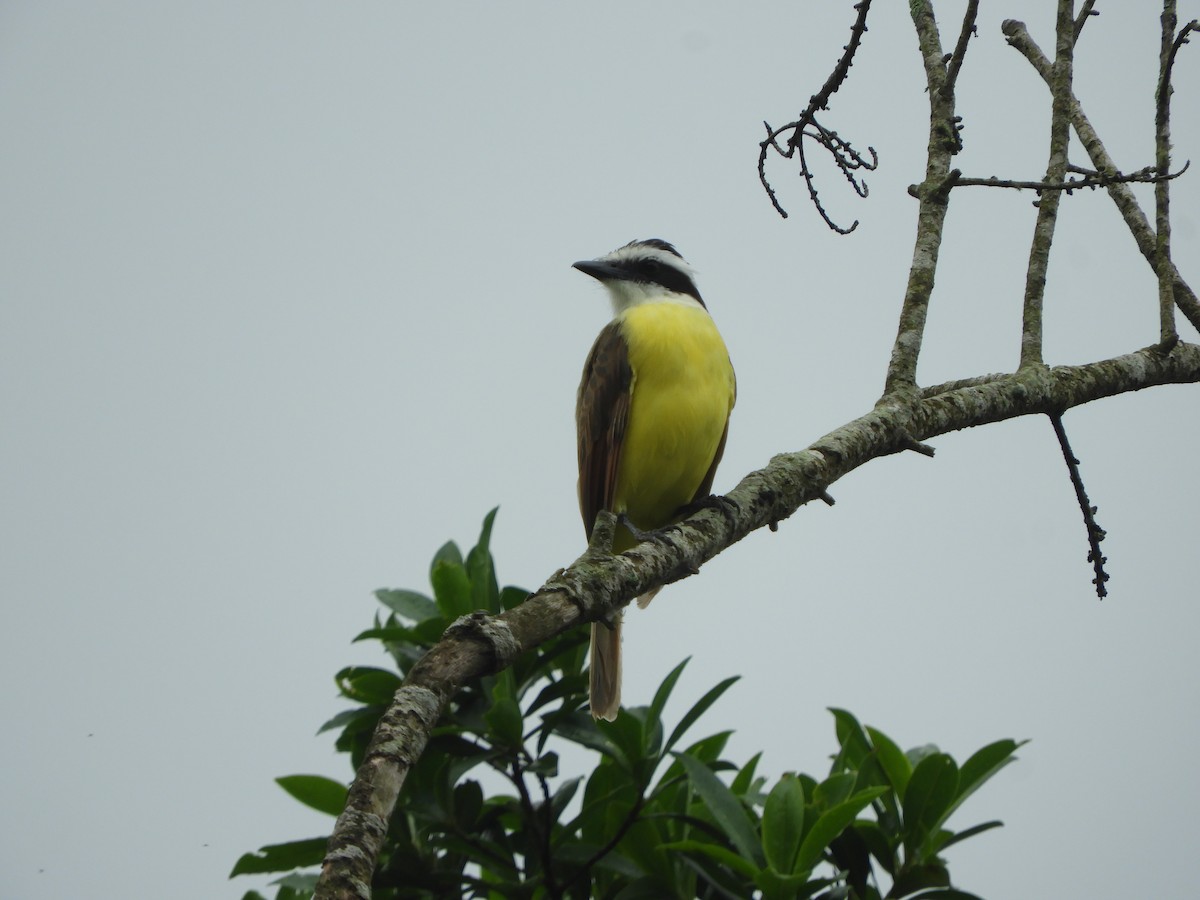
x,y
606,669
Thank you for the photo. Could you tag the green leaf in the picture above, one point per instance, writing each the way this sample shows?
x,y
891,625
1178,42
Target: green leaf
x,y
891,759
834,790
448,552
829,825
485,592
982,765
726,809
927,799
661,696
505,722
321,793
879,843
914,877
775,886
853,741
511,597
451,587
407,604
367,684
707,750
563,794
581,729
700,707
783,823
744,780
303,883
393,634
916,754
282,857
579,852
468,803
953,838
343,718
625,733
721,854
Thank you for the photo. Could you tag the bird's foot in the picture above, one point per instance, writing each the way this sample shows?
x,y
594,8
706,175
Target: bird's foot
x,y
638,535
719,502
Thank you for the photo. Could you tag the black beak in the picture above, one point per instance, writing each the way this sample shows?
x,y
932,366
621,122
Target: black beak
x,y
597,268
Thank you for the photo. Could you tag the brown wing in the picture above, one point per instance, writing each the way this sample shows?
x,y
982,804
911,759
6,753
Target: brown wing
x,y
601,414
705,488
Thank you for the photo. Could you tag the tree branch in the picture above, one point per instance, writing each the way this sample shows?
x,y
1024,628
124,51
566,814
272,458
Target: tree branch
x,y
845,157
1085,13
1056,170
1162,190
1185,298
1094,532
598,584
1090,179
960,49
933,195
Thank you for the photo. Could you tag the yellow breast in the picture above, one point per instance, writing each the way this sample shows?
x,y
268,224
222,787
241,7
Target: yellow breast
x,y
681,396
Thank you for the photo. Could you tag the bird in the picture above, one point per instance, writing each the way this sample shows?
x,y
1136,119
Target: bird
x,y
651,415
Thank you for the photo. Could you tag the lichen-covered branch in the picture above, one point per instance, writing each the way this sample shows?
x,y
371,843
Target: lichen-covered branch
x,y
1162,190
933,194
1056,170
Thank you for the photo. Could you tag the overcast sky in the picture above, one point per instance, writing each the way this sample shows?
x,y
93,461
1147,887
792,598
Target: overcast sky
x,y
286,302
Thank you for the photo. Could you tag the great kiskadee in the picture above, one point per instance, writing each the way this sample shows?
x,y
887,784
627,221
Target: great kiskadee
x,y
652,415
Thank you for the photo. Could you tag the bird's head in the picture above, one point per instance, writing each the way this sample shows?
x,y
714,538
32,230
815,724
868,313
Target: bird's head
x,y
644,272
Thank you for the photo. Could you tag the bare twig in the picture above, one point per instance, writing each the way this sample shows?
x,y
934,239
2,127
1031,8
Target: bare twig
x,y
960,49
1085,13
1056,169
1090,179
1185,298
1094,531
846,158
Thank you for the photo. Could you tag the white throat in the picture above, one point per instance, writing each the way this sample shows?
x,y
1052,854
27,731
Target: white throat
x,y
627,294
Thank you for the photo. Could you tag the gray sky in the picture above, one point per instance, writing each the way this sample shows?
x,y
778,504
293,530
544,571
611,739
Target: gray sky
x,y
286,302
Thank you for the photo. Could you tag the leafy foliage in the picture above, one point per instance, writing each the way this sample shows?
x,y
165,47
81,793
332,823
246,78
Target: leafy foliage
x,y
656,818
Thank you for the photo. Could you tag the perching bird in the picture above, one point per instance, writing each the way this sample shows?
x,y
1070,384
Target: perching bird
x,y
652,414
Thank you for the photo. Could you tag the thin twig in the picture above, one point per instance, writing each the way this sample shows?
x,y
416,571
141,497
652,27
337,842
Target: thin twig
x,y
1085,13
844,156
960,49
1094,531
1090,180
